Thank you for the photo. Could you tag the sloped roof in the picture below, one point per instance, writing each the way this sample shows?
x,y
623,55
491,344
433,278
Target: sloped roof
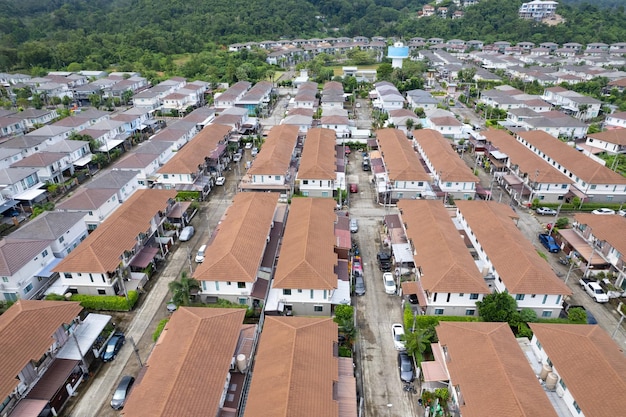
x,y
590,363
236,251
50,225
485,361
40,159
616,136
307,258
443,158
401,161
275,155
445,262
114,179
295,369
528,161
583,167
102,250
87,199
317,161
524,273
26,333
611,229
14,254
186,371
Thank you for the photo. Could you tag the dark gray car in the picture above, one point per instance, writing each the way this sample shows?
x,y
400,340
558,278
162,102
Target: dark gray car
x,y
359,285
121,392
405,366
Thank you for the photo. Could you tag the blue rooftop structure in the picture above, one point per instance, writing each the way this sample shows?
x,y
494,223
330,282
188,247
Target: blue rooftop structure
x,y
397,53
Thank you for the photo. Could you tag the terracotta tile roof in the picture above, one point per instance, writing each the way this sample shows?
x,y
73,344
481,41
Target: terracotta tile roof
x,y
15,254
445,121
236,251
585,168
307,257
443,158
295,369
275,155
617,136
87,199
524,273
318,155
26,333
186,372
187,159
401,161
101,251
445,262
611,229
528,161
486,363
591,364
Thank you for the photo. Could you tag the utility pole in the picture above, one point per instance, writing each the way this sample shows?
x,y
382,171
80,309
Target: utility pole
x,y
136,350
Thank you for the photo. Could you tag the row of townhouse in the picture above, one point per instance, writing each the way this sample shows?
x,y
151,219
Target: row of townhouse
x,y
453,274
536,377
173,94
255,99
44,365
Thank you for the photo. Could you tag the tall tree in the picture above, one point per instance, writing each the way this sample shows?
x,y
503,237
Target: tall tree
x,y
181,290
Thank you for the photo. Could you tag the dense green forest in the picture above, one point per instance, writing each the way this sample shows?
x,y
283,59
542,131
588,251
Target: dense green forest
x,y
189,37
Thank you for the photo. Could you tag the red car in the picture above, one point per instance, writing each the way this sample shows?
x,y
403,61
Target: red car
x,y
354,188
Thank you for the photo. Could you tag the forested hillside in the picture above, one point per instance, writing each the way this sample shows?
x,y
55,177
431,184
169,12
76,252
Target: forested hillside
x,y
153,35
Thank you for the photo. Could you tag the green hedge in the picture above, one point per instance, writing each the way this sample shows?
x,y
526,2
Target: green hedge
x,y
159,329
432,321
188,195
107,302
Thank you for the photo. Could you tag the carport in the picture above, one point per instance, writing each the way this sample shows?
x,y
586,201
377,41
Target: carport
x,y
582,247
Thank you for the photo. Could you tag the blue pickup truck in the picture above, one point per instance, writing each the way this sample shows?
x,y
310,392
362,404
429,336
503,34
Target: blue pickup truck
x,y
549,243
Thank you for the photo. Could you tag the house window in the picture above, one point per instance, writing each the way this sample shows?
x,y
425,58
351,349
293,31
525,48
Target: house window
x,y
90,277
228,282
461,294
165,176
241,285
312,293
305,182
324,294
101,291
299,291
473,296
318,309
546,313
324,193
44,253
277,177
5,279
286,292
61,239
538,344
28,288
576,407
545,298
243,301
67,275
470,312
593,187
562,384
305,193
519,297
439,311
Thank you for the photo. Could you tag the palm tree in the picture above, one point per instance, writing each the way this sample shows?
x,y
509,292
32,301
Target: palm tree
x,y
417,342
181,290
347,329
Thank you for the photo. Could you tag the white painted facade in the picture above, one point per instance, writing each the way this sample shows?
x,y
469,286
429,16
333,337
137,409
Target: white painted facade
x,y
24,282
233,291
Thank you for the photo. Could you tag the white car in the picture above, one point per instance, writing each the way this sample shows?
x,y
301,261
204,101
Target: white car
x,y
389,283
249,145
186,233
397,331
237,157
546,211
254,151
604,211
220,181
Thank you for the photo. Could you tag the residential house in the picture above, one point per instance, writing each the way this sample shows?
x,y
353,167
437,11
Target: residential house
x,y
526,276
51,133
30,356
77,151
538,10
592,181
615,120
52,167
178,134
317,175
386,97
202,117
235,270
580,106
421,99
146,158
291,350
10,126
446,123
332,95
35,117
612,141
598,369
9,156
306,281
230,97
274,168
402,176
21,184
301,117
337,121
237,119
111,260
525,175
306,96
257,99
474,360
21,264
448,171
400,119
206,378
557,124
125,183
108,133
448,281
96,204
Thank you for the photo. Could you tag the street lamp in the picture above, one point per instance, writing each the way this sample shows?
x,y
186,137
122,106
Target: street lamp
x,y
621,319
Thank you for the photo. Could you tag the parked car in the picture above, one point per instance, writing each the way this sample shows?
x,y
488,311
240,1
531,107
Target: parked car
x,y
200,254
389,283
549,243
384,261
121,392
249,145
356,265
113,346
621,213
359,284
254,151
405,367
354,225
413,298
547,211
237,157
604,211
594,290
397,331
187,233
354,188
220,181
366,166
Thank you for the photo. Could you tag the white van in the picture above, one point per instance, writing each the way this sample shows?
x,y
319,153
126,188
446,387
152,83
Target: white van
x,y
200,254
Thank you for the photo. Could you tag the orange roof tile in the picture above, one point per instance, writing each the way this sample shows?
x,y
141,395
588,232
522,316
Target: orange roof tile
x,y
318,155
442,157
295,369
275,155
236,252
486,363
445,262
307,257
26,333
617,136
524,273
186,372
401,161
611,229
102,250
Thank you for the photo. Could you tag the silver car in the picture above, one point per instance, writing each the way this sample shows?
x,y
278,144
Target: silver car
x,y
186,233
354,225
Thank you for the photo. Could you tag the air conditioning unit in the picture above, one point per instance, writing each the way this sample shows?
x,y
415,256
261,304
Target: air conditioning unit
x,y
19,283
1,286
